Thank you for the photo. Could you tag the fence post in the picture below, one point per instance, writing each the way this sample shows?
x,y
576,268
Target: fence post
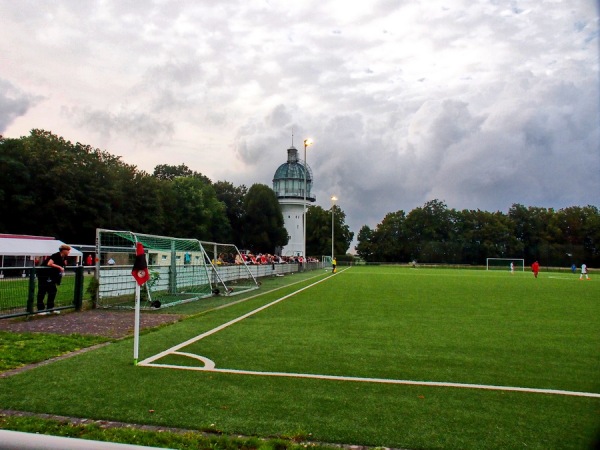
x,y
78,294
31,291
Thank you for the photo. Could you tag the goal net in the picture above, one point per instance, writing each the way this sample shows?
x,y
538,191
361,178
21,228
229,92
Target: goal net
x,y
518,264
181,270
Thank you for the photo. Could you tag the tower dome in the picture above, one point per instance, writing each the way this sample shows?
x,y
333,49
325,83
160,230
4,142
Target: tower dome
x,y
288,181
288,184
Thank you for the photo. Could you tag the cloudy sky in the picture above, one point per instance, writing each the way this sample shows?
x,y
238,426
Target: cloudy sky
x,y
479,103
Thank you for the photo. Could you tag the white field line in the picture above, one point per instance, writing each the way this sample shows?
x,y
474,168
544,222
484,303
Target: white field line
x,y
177,347
227,305
209,366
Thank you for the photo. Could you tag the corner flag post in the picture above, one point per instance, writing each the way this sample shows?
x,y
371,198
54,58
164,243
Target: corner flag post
x,y
136,327
141,275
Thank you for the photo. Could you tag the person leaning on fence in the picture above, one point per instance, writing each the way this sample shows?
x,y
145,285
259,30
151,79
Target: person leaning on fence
x,y
50,278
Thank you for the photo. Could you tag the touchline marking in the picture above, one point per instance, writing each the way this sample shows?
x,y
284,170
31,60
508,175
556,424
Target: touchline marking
x,y
177,347
210,368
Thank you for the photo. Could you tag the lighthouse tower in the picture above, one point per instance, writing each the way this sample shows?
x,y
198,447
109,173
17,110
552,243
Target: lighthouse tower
x,y
288,184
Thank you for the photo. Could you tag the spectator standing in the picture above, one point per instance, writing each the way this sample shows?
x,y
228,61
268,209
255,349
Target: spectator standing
x,y
88,262
50,278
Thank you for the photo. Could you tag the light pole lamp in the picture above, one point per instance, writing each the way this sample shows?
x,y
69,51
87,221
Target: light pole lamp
x,y
333,200
307,142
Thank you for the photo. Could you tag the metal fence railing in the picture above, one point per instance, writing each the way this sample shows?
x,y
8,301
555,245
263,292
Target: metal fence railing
x,y
19,285
19,289
172,285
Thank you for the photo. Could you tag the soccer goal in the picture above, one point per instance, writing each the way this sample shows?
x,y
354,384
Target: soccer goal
x,y
181,270
504,264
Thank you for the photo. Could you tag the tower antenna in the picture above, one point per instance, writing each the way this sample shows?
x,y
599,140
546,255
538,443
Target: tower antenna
x,y
292,136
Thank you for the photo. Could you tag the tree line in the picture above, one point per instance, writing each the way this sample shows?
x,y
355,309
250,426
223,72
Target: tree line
x,y
434,233
52,187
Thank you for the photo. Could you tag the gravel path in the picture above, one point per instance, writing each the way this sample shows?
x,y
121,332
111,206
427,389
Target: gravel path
x,y
96,322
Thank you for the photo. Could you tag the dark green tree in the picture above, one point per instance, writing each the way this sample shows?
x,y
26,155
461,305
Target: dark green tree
x,y
169,172
484,235
195,211
318,231
575,232
530,229
429,231
62,189
390,239
264,229
233,199
365,247
16,193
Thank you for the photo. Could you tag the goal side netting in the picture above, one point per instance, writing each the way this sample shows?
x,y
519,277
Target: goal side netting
x,y
518,264
181,270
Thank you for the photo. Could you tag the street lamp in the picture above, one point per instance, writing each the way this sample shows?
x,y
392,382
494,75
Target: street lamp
x,y
333,200
307,142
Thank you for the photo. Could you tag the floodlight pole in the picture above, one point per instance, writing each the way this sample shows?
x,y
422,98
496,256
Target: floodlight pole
x,y
307,142
333,200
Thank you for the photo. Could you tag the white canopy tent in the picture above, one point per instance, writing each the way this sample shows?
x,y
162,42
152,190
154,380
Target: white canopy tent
x,y
16,247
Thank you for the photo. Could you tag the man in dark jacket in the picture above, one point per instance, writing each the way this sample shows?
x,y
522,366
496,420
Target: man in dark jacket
x,y
50,276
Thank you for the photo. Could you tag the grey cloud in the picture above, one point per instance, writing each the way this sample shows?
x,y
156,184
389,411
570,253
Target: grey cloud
x,y
262,143
545,147
126,124
14,103
530,142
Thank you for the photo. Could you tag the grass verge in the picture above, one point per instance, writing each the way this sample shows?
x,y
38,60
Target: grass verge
x,y
20,349
159,437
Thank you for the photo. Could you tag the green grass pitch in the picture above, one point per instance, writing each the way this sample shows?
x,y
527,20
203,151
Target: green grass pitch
x,y
383,323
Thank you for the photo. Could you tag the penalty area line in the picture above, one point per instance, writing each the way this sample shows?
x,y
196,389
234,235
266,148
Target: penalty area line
x,y
210,368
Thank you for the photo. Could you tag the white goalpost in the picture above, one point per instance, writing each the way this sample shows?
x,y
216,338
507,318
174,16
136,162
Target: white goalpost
x,y
181,270
504,264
